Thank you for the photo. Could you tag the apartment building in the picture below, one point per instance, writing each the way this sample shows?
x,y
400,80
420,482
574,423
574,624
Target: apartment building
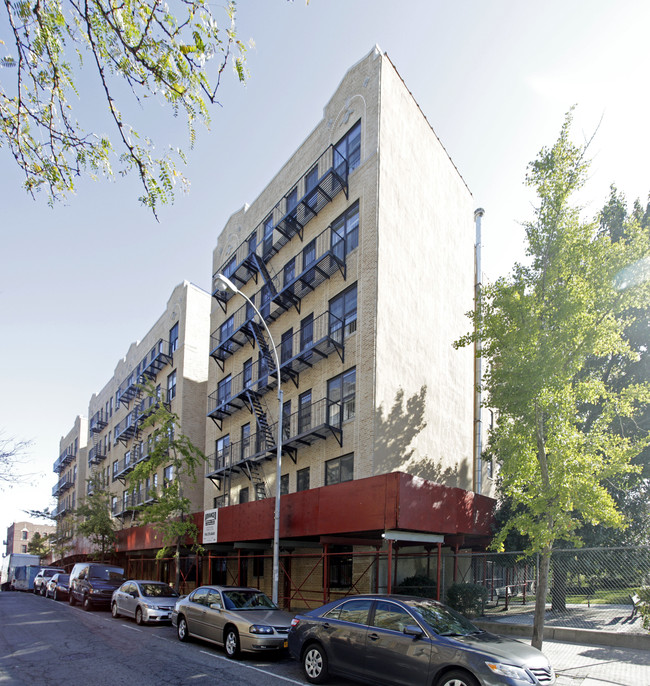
x,y
71,467
20,534
359,256
172,358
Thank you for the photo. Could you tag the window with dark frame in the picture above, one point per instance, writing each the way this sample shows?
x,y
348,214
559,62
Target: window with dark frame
x,y
173,339
339,470
341,392
284,484
286,346
343,313
348,149
345,232
171,386
340,568
243,495
302,479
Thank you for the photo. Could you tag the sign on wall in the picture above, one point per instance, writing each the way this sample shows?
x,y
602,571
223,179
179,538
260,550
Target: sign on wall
x,y
210,526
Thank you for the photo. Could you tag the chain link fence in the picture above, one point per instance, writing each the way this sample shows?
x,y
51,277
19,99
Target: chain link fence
x,y
588,588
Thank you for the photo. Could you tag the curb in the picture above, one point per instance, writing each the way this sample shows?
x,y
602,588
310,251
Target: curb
x,y
570,635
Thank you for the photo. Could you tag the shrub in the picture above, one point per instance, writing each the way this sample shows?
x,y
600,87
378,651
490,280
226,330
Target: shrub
x,y
419,585
644,606
468,599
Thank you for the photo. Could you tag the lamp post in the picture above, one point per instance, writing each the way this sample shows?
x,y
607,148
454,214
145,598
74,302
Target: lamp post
x,y
222,283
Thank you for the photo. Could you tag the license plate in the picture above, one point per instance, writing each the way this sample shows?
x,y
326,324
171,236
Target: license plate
x,y
285,644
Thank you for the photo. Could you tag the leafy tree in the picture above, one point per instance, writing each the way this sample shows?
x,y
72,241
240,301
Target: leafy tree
x,y
39,545
12,453
169,449
175,54
540,327
94,519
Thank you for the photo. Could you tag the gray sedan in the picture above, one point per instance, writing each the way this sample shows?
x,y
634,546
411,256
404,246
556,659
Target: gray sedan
x,y
238,618
386,639
145,601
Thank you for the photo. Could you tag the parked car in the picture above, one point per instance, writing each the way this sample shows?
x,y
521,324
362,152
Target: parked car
x,y
240,619
391,639
145,601
43,576
92,584
57,587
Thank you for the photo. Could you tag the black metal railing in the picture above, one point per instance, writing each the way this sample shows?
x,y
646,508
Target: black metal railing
x,y
98,422
313,422
325,179
64,459
62,485
96,454
147,369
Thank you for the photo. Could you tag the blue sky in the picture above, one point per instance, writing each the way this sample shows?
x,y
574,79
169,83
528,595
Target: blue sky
x,y
80,282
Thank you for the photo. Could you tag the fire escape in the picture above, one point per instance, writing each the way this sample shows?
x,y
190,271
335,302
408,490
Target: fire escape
x,y
318,337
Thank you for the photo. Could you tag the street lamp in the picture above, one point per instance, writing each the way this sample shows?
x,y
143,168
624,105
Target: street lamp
x,y
222,283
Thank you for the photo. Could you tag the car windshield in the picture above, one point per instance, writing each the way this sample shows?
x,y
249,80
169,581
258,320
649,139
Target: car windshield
x,y
247,600
442,619
63,578
107,574
158,591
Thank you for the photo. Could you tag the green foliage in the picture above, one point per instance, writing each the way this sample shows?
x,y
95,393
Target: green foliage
x,y
175,53
168,449
562,434
644,606
419,585
468,599
94,519
38,545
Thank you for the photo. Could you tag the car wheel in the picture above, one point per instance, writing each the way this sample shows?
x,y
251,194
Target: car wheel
x,y
138,617
233,648
71,599
43,590
114,611
87,605
458,678
182,629
55,595
314,662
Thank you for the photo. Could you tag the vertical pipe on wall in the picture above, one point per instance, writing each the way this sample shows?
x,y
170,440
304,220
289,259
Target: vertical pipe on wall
x,y
478,372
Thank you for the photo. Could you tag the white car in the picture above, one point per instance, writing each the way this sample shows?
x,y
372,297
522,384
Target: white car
x,y
43,576
144,600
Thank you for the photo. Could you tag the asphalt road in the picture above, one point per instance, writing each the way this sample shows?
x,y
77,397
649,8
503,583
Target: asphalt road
x,y
48,643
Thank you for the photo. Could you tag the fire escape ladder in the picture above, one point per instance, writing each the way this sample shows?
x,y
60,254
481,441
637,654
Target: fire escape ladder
x,y
255,472
260,339
268,279
261,418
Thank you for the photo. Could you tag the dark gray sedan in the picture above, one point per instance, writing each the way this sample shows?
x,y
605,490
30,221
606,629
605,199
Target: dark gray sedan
x,y
390,639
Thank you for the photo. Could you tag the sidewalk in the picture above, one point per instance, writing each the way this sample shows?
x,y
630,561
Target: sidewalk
x,y
597,665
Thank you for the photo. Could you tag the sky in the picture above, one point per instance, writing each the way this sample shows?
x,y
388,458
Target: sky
x,y
79,282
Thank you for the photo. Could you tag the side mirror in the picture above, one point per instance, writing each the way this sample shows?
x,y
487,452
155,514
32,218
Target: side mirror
x,y
134,594
413,630
215,606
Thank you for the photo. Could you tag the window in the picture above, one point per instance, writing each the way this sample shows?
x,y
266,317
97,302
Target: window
x,y
243,495
155,482
226,329
252,243
23,548
245,441
24,535
125,500
292,200
345,232
311,179
173,339
286,420
341,392
171,386
286,346
110,407
289,271
265,301
284,484
340,567
302,479
304,412
258,566
168,475
268,235
220,501
339,469
392,617
343,313
115,468
355,611
306,335
230,267
223,390
309,255
348,149
248,372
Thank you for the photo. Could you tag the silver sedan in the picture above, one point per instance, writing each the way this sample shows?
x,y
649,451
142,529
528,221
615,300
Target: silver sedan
x,y
145,601
238,618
